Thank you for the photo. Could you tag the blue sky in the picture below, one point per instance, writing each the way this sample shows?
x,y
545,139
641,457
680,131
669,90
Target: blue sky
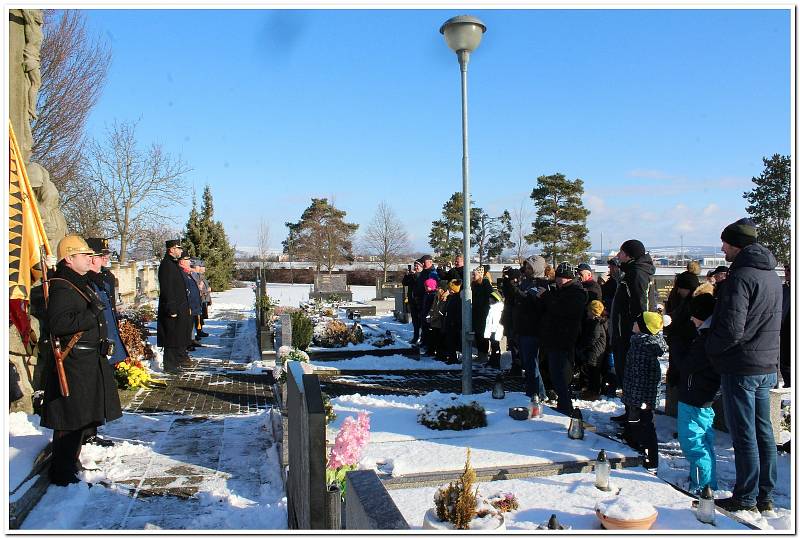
x,y
664,114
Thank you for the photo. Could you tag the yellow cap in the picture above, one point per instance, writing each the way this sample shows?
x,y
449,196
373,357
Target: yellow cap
x,y
596,307
72,245
653,321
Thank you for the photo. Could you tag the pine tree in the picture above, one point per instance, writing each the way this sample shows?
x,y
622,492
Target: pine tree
x,y
206,239
560,225
490,235
447,233
770,205
322,235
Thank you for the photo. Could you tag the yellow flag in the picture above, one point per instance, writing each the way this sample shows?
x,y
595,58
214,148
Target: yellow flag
x,y
25,229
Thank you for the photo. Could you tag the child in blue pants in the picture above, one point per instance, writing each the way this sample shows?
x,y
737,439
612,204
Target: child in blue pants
x,y
698,387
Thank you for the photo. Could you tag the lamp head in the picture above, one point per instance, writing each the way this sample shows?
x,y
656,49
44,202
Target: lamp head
x,y
463,33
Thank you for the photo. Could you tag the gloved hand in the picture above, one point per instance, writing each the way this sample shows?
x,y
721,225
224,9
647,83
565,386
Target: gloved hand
x,y
51,261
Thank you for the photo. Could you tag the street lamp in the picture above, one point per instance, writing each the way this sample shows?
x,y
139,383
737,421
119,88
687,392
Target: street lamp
x,y
463,35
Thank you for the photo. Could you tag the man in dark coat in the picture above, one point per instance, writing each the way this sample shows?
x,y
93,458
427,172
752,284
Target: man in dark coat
x,y
100,245
586,276
195,300
609,287
682,331
410,283
74,307
174,319
635,294
457,271
743,345
526,316
481,290
563,315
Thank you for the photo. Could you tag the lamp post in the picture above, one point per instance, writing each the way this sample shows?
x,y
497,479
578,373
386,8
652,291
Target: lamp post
x,y
463,35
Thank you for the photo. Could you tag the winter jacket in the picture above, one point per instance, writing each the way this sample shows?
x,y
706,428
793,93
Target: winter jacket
x,y
410,282
480,305
172,331
593,344
425,305
193,293
681,331
110,285
202,286
564,310
746,324
609,288
526,313
593,290
643,370
112,323
699,382
635,294
452,314
786,332
419,286
493,324
437,311
93,397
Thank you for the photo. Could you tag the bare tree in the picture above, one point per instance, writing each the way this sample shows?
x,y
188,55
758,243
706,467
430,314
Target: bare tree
x,y
84,211
137,186
150,242
262,240
74,68
386,237
522,218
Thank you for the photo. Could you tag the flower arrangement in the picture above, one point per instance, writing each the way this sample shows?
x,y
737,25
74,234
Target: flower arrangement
x,y
336,334
456,416
327,405
134,337
287,353
504,502
385,340
353,436
131,374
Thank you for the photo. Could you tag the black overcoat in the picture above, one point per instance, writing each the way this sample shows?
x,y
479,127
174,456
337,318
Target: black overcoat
x,y
173,299
93,397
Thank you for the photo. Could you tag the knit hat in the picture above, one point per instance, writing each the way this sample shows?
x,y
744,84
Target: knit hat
x,y
650,322
513,273
425,257
740,234
566,270
584,266
430,285
596,307
455,286
537,263
720,269
633,248
687,280
702,306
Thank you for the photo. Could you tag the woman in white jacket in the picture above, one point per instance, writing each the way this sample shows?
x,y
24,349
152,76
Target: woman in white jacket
x,y
494,329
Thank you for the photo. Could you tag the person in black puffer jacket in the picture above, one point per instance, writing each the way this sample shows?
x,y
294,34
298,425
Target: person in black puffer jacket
x,y
697,388
743,346
593,349
681,332
564,310
635,294
452,321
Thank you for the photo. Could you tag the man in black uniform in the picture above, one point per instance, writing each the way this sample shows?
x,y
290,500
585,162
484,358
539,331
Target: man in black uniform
x,y
100,245
174,320
74,308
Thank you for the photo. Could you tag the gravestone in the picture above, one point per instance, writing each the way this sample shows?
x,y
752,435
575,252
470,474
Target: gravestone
x,y
286,332
331,285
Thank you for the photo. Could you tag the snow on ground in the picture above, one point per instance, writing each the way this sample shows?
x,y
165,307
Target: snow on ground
x,y
572,497
242,491
400,445
291,295
385,363
26,439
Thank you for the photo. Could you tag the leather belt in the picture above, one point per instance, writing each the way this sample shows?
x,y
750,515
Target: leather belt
x,y
84,347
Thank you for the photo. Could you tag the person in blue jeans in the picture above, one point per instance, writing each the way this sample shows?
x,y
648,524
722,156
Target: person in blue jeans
x,y
698,385
743,345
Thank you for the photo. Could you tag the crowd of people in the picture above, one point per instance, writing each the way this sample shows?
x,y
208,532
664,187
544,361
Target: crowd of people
x,y
570,334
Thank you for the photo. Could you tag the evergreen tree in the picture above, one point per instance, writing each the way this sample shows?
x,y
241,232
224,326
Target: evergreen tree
x,y
770,205
322,235
490,235
560,225
206,239
447,233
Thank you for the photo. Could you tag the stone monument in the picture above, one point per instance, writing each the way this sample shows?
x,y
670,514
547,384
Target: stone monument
x,y
24,80
331,285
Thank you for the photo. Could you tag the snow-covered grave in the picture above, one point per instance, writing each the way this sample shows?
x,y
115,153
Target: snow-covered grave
x,y
573,497
401,449
395,362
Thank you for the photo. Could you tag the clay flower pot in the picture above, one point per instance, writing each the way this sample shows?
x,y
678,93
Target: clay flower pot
x,y
432,522
610,523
